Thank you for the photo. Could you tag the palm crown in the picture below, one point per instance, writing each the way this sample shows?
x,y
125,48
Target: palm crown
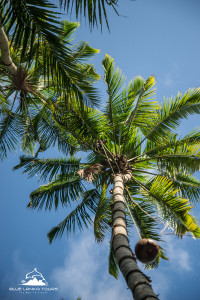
x,y
26,97
36,30
133,134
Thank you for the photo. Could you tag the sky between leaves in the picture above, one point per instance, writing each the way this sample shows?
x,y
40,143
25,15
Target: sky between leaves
x,y
150,37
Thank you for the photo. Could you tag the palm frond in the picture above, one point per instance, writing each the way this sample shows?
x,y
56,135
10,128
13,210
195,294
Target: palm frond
x,y
171,113
36,29
143,213
145,105
171,144
114,81
10,134
93,10
87,125
190,163
131,142
102,216
29,19
63,189
48,168
50,134
171,207
176,155
79,217
113,267
28,139
188,185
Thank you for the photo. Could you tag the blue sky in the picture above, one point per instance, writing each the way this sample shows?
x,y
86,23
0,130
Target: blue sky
x,y
150,37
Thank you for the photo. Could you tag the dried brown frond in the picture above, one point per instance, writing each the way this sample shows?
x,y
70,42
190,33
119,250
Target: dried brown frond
x,y
89,173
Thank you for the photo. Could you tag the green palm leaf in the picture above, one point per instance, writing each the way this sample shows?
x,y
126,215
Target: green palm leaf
x,y
143,213
87,125
50,135
94,10
36,30
190,163
172,112
188,185
171,143
78,217
144,104
113,267
102,217
171,207
9,134
48,168
63,189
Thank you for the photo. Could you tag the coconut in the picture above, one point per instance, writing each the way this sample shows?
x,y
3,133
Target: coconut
x,y
146,251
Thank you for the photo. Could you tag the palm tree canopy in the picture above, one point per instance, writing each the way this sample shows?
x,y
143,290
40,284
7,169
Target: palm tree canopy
x,y
95,11
35,29
26,99
133,132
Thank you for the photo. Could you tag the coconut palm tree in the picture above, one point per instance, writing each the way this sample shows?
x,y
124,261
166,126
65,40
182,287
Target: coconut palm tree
x,y
136,171
36,29
26,95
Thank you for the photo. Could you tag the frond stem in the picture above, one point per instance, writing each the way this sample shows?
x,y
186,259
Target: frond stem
x,y
142,208
102,144
132,218
141,171
135,110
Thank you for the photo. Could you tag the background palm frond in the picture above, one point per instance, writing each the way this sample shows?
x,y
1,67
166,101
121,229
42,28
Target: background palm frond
x,y
63,189
94,10
171,207
36,30
113,267
78,217
102,216
48,168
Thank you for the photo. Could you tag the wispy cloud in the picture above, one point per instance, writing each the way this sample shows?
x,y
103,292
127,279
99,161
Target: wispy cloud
x,y
179,258
160,283
168,80
171,76
84,273
179,261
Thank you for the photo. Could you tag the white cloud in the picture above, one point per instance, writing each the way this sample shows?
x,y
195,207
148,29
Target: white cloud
x,y
179,261
179,258
171,76
85,273
160,283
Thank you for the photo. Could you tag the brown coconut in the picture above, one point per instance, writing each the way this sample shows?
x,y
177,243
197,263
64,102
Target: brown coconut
x,y
146,251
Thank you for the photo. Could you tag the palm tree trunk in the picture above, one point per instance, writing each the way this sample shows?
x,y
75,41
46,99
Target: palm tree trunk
x,y
5,53
135,279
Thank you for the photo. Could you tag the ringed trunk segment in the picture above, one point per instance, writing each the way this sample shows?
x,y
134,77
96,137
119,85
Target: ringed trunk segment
x,y
135,279
5,53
